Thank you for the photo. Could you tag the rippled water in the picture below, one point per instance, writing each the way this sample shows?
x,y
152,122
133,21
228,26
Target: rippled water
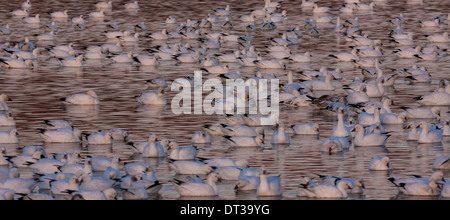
x,y
36,92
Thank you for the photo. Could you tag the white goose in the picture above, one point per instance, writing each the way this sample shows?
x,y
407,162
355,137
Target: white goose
x,y
9,137
246,141
61,135
198,189
182,153
442,162
152,149
16,63
362,139
366,119
428,135
201,137
188,167
306,129
280,136
268,186
152,98
340,129
108,194
380,163
85,98
326,190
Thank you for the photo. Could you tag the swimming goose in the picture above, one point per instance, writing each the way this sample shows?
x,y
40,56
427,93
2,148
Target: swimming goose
x,y
78,168
320,85
97,14
434,98
13,63
320,10
306,129
46,166
89,182
431,24
131,5
9,137
61,135
7,119
223,12
418,188
222,162
7,173
99,138
153,149
363,139
435,176
182,153
346,57
159,35
246,141
247,183
366,119
25,160
428,135
198,189
425,113
72,61
280,136
64,186
60,14
77,20
104,5
391,118
268,186
133,169
358,96
108,194
32,20
85,98
380,163
201,137
413,133
442,162
152,98
340,129
189,167
20,13
337,190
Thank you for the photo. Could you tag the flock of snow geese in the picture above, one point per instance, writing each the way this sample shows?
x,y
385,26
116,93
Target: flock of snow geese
x,y
360,117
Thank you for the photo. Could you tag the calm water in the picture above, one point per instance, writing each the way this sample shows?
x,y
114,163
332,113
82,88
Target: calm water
x,y
36,92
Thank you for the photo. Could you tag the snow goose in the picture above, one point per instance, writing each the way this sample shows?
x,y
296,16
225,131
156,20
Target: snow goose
x,y
198,189
135,193
97,14
104,5
89,182
7,119
9,137
77,20
6,173
32,20
152,98
423,113
442,162
391,118
201,137
46,166
25,160
413,132
108,194
363,139
20,13
320,10
430,24
72,61
366,119
247,183
418,188
435,176
340,130
334,144
16,63
339,190
380,163
306,129
358,96
5,30
140,27
280,136
434,98
99,138
85,98
60,135
131,5
133,169
223,12
240,130
152,149
26,55
78,169
320,85
3,157
428,135
445,191
159,35
346,57
246,141
189,167
171,20
60,14
65,186
221,162
216,69
268,186
182,153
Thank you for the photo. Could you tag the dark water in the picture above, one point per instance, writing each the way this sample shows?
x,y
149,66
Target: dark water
x,y
36,93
